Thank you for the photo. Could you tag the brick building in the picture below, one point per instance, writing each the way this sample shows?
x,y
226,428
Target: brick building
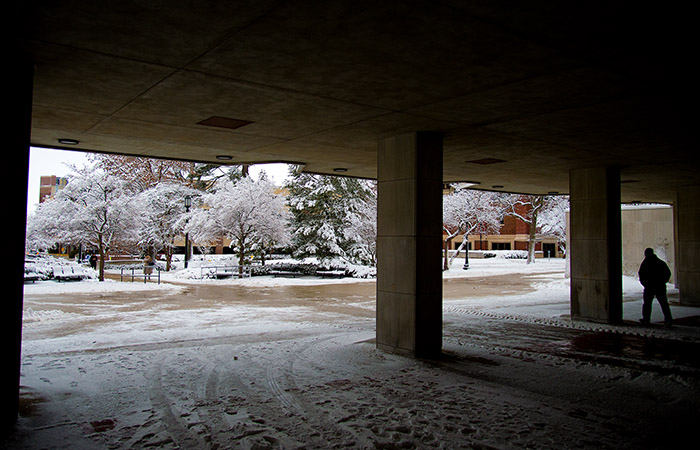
x,y
513,235
49,185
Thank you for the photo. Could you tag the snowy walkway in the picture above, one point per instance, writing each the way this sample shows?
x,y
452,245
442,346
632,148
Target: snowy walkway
x,y
255,364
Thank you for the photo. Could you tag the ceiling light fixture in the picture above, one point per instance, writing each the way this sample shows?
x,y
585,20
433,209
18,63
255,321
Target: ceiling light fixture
x,y
340,169
466,184
224,157
68,141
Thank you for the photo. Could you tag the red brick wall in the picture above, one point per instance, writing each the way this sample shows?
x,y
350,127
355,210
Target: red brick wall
x,y
513,225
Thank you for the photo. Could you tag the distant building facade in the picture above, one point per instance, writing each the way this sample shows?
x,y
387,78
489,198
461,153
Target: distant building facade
x,y
49,185
514,234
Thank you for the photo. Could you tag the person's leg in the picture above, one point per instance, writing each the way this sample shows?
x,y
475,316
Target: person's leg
x,y
648,297
663,301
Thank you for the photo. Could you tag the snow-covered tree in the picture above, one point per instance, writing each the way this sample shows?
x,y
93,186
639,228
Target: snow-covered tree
x,y
250,213
361,232
44,226
544,214
552,218
205,176
468,211
94,208
527,208
163,216
144,173
323,208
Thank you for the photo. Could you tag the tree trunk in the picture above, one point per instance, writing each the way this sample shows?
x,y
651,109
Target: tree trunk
x,y
446,264
448,238
537,204
464,244
241,260
168,258
103,256
532,240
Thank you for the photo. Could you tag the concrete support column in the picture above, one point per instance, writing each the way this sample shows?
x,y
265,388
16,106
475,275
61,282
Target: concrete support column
x,y
596,245
409,244
18,106
687,214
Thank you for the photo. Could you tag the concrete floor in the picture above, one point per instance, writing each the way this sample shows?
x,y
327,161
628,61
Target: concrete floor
x,y
218,368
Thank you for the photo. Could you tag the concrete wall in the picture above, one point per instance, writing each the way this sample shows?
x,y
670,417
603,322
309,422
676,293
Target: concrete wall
x,y
688,250
646,226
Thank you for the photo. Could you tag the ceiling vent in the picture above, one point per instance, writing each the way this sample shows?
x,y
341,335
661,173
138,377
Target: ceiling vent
x,y
486,161
224,122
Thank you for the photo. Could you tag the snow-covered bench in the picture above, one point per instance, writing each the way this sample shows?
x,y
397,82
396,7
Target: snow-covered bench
x,y
285,273
330,273
225,271
68,273
32,276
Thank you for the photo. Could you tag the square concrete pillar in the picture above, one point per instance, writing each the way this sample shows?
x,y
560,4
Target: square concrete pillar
x,y
596,245
409,244
19,113
687,215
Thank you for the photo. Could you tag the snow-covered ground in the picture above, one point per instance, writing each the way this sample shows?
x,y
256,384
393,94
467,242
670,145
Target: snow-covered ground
x,y
549,299
264,362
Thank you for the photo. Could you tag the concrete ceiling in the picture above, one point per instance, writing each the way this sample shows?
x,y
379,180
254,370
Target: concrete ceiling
x,y
531,88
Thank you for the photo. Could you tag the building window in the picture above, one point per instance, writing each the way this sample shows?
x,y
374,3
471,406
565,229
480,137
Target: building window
x,y
500,246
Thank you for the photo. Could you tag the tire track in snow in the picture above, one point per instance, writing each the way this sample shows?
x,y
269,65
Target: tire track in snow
x,y
184,429
283,397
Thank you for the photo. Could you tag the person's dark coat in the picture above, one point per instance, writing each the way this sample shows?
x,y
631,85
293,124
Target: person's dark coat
x,y
654,272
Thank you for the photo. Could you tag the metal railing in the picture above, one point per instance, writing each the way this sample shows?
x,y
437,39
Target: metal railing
x,y
135,274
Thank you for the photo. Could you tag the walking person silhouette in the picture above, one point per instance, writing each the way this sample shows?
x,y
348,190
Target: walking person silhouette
x,y
653,275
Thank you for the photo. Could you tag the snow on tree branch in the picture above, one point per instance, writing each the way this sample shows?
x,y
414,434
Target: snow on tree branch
x,y
249,213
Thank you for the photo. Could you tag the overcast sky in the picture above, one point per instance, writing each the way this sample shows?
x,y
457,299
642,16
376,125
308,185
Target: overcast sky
x,y
45,162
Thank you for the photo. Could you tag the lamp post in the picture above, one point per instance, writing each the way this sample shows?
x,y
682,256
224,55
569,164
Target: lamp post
x,y
188,204
466,254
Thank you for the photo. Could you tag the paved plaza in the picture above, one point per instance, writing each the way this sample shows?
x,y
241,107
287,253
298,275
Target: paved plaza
x,y
219,367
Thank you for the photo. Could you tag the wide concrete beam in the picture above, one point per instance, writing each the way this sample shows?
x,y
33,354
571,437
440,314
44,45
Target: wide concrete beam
x,y
596,245
409,244
687,214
